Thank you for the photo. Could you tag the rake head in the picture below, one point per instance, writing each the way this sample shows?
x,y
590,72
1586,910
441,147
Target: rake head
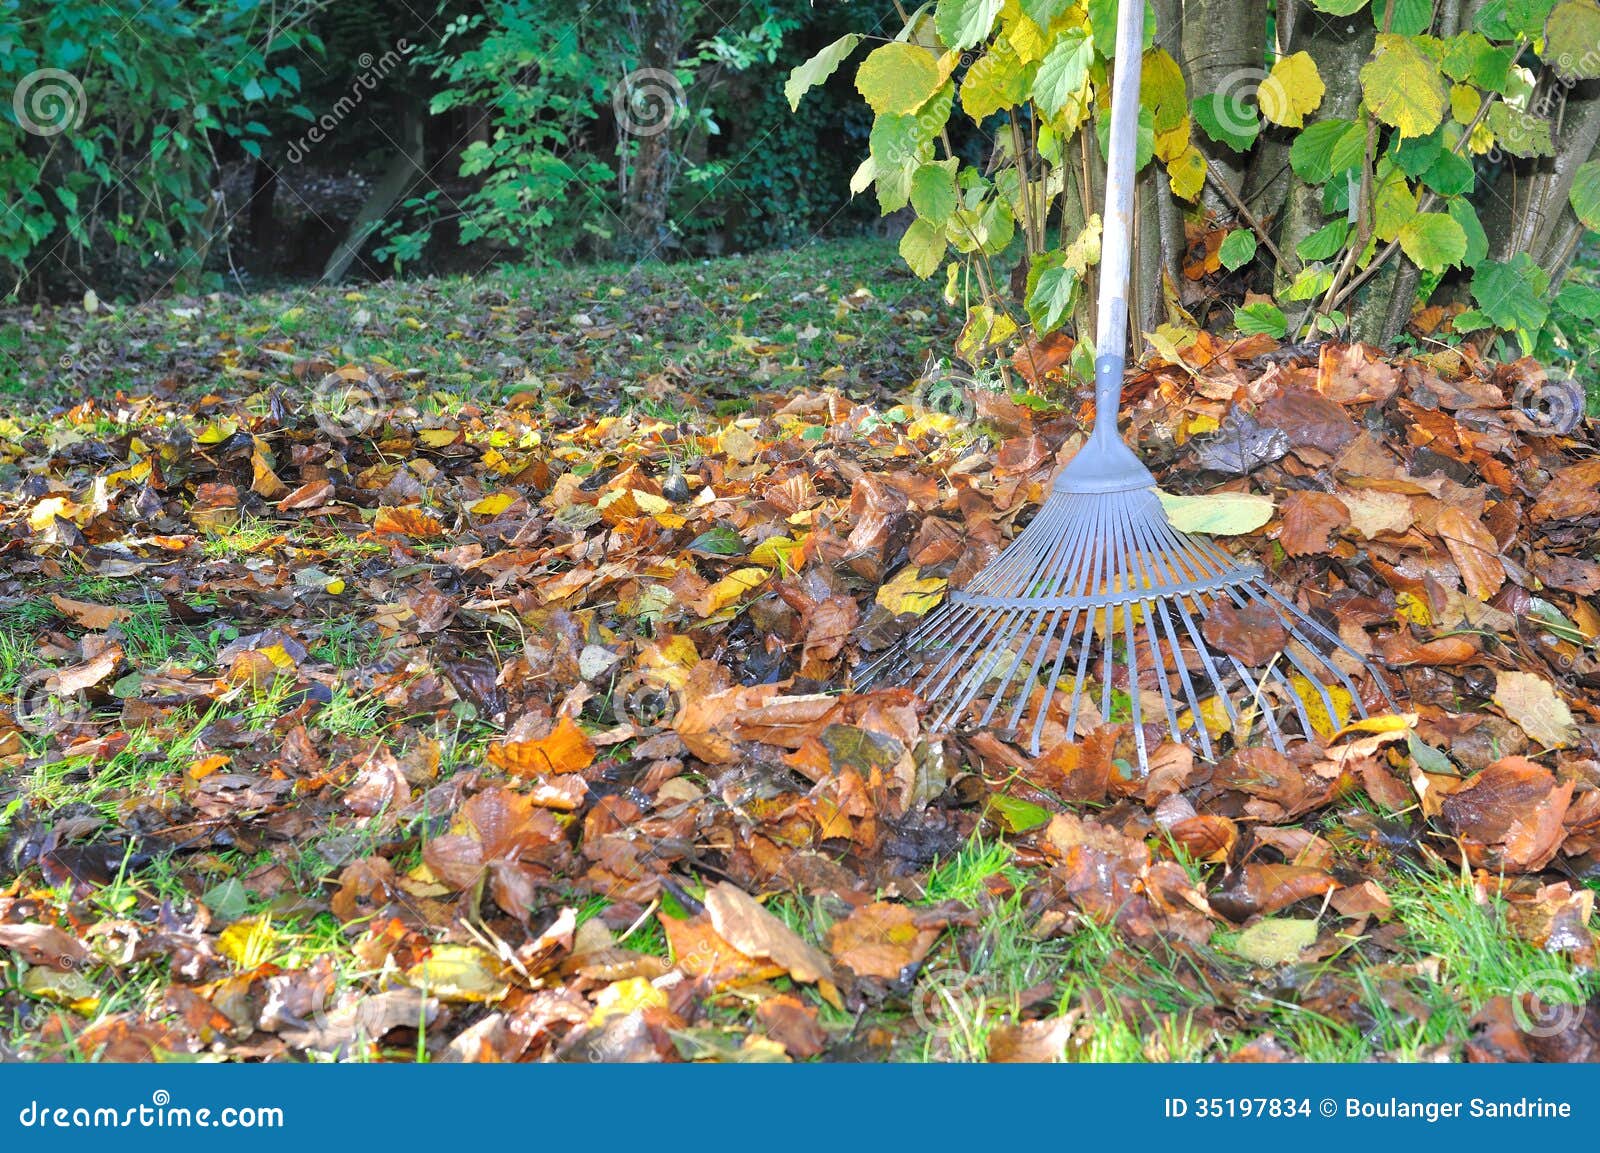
x,y
1100,607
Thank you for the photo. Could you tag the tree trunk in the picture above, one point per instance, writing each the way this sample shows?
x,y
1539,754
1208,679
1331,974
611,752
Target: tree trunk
x,y
1340,45
1223,46
648,187
404,168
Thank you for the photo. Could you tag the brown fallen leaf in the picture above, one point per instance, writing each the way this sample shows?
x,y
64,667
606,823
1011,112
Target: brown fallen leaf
x,y
1573,492
90,673
89,615
881,940
566,749
1475,551
1308,520
44,945
312,494
1510,814
741,921
1373,512
1254,634
1031,1042
793,1024
1259,888
407,522
701,952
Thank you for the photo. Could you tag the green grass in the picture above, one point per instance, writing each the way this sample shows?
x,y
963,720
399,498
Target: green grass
x,y
663,337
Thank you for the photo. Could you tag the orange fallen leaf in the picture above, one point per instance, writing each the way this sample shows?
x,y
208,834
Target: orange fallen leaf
x,y
407,522
567,749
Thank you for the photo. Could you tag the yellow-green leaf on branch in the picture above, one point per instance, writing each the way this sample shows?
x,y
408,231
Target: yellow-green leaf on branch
x,y
933,191
1433,241
1292,91
1403,86
1585,194
1572,40
1393,201
998,80
1187,173
963,23
923,247
1063,71
1162,91
814,71
899,78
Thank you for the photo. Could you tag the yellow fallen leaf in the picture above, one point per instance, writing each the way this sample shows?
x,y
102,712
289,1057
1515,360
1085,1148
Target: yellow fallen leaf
x,y
1317,709
775,550
1213,715
1217,513
205,766
1383,723
69,988
730,588
43,515
1411,607
1533,704
249,943
940,422
438,437
493,504
620,998
910,592
217,431
650,503
459,973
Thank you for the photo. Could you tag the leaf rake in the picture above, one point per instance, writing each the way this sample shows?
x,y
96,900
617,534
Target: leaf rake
x,y
1102,590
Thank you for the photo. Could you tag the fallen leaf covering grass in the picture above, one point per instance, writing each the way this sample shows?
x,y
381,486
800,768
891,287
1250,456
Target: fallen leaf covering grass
x,y
454,671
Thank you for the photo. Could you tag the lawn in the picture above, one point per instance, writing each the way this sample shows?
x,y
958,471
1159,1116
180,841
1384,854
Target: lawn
x,y
453,670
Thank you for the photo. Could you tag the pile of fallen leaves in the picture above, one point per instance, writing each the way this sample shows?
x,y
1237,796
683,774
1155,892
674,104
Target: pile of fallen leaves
x,y
605,657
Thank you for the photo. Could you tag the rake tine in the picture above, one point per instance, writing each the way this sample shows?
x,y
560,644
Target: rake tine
x,y
1072,546
1256,695
986,623
1138,530
1127,578
1204,653
1277,674
1333,639
983,670
1055,562
1202,732
1299,663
